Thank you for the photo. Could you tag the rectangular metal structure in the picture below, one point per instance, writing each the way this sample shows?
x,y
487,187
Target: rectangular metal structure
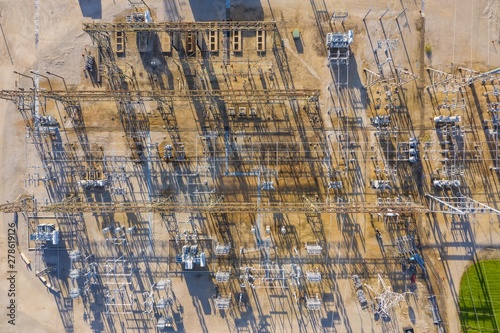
x,y
213,41
190,41
120,42
236,42
261,40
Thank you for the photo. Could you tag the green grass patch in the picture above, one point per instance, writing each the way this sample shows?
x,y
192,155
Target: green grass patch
x,y
480,297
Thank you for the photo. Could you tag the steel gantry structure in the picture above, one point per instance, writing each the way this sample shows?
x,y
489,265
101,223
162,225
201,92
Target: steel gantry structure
x,y
77,205
179,26
236,95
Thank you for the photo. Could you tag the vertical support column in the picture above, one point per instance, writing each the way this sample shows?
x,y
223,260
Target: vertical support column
x,y
236,43
213,41
261,40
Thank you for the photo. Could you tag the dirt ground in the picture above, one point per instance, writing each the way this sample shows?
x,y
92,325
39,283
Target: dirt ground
x,y
297,146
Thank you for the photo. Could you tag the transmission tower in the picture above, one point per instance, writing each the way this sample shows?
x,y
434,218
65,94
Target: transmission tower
x,y
385,297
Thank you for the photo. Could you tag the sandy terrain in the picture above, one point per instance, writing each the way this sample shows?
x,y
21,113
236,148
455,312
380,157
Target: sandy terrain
x,y
47,36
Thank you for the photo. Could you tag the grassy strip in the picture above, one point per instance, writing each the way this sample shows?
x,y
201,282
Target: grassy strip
x,y
480,297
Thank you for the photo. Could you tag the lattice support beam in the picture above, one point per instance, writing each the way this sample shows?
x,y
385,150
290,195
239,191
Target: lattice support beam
x,y
163,206
444,203
238,95
179,26
372,78
404,76
459,205
482,208
439,77
470,76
